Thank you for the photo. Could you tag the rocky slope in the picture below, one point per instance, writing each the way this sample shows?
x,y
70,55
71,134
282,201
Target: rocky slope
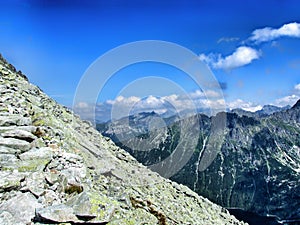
x,y
257,169
55,168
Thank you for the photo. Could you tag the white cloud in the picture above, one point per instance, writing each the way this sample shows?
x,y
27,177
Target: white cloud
x,y
240,57
82,105
170,98
269,34
290,99
248,106
287,100
208,94
214,104
245,55
227,39
152,101
120,99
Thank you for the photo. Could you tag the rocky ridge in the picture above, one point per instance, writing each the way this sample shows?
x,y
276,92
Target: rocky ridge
x,y
55,168
266,111
257,169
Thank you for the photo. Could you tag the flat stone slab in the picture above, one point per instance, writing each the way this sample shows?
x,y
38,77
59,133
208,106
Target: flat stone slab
x,y
19,134
30,129
56,213
37,153
14,120
14,143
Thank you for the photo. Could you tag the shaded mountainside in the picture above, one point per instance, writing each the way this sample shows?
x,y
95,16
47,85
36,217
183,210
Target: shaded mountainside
x,y
256,172
55,168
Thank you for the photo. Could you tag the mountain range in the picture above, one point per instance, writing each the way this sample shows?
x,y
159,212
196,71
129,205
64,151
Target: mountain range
x,y
254,171
265,111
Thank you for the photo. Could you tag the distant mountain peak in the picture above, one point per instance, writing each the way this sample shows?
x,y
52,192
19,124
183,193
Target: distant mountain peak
x,y
270,106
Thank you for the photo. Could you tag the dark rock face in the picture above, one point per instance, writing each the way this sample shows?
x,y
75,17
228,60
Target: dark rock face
x,y
57,169
297,105
257,169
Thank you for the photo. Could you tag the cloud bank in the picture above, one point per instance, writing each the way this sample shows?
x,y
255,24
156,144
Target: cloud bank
x,y
194,102
191,103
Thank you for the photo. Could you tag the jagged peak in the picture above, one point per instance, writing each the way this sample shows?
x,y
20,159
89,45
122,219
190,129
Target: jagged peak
x,y
297,105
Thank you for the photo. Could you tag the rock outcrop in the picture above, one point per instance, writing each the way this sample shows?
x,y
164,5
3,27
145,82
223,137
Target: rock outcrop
x,y
55,168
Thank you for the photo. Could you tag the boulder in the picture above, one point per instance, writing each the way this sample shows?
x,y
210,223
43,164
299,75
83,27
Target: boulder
x,y
14,120
18,145
86,207
93,207
10,180
35,183
19,209
56,213
35,160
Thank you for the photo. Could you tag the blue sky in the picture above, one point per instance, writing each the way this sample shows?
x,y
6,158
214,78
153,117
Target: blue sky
x,y
252,47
